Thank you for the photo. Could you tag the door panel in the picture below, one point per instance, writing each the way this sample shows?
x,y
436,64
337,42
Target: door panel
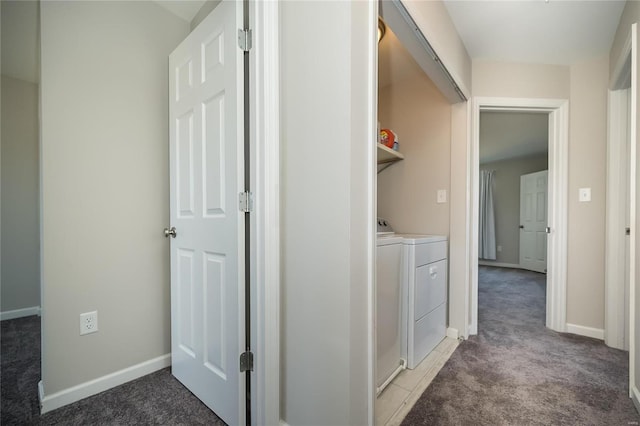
x,y
206,174
533,221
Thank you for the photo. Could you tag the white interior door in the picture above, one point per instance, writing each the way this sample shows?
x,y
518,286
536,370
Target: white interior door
x,y
533,221
206,172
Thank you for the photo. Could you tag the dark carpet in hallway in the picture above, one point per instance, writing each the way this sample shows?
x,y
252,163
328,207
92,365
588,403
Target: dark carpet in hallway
x,y
156,399
518,372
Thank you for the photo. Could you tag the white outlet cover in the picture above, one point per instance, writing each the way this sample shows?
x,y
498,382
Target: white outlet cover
x,y
88,322
442,196
584,194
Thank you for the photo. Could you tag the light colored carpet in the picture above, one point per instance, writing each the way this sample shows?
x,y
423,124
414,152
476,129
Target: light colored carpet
x,y
518,372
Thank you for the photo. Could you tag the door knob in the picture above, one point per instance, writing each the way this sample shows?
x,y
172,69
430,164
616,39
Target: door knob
x,y
521,226
171,232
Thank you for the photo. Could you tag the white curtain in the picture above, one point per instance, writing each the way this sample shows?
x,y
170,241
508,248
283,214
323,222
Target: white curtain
x,y
487,241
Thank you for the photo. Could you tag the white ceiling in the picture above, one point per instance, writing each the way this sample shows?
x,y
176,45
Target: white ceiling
x,y
20,40
534,31
507,135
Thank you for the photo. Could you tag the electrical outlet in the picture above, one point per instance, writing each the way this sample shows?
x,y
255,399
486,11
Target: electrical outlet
x,y
584,194
88,322
499,248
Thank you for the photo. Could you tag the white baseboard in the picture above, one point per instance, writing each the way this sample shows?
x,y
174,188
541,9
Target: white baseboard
x,y
499,264
635,397
596,333
101,384
283,423
19,313
453,333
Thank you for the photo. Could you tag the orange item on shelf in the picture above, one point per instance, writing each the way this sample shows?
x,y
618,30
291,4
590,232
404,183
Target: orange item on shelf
x,y
387,138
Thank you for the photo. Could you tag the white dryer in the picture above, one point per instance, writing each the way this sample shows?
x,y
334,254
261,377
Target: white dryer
x,y
425,282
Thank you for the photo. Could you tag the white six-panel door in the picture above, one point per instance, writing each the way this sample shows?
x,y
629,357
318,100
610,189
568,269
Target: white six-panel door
x,y
206,173
533,221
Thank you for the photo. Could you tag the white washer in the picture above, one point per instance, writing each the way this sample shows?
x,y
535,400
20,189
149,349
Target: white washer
x,y
425,283
389,309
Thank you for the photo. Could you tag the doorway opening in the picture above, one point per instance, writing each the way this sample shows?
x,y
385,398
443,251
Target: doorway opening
x,y
556,209
513,198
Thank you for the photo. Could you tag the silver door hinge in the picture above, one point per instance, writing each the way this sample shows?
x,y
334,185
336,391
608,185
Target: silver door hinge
x,y
246,361
244,39
245,202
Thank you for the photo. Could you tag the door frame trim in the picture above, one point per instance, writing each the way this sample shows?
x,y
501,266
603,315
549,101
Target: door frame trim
x,y
616,220
558,110
264,127
621,124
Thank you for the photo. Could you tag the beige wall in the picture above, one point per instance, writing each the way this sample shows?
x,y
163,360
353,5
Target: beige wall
x,y
512,80
327,212
507,202
435,23
587,169
585,86
20,283
421,116
105,185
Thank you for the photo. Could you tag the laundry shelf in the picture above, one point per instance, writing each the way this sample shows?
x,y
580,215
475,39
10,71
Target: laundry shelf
x,y
387,157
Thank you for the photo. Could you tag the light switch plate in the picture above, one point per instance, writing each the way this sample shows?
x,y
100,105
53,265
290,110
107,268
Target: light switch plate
x,y
584,194
442,196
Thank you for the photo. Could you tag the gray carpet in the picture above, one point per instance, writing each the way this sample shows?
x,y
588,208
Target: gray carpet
x,y
156,399
517,372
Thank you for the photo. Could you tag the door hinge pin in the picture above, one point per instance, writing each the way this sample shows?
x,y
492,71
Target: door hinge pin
x,y
245,202
244,39
246,361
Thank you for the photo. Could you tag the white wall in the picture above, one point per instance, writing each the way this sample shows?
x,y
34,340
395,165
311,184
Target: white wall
x,y
407,190
105,185
585,86
507,202
20,283
327,212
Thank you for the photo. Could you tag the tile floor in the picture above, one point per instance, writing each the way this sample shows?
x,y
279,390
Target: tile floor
x,y
395,402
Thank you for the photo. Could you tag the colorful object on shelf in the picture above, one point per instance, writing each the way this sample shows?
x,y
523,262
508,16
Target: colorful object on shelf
x,y
387,138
